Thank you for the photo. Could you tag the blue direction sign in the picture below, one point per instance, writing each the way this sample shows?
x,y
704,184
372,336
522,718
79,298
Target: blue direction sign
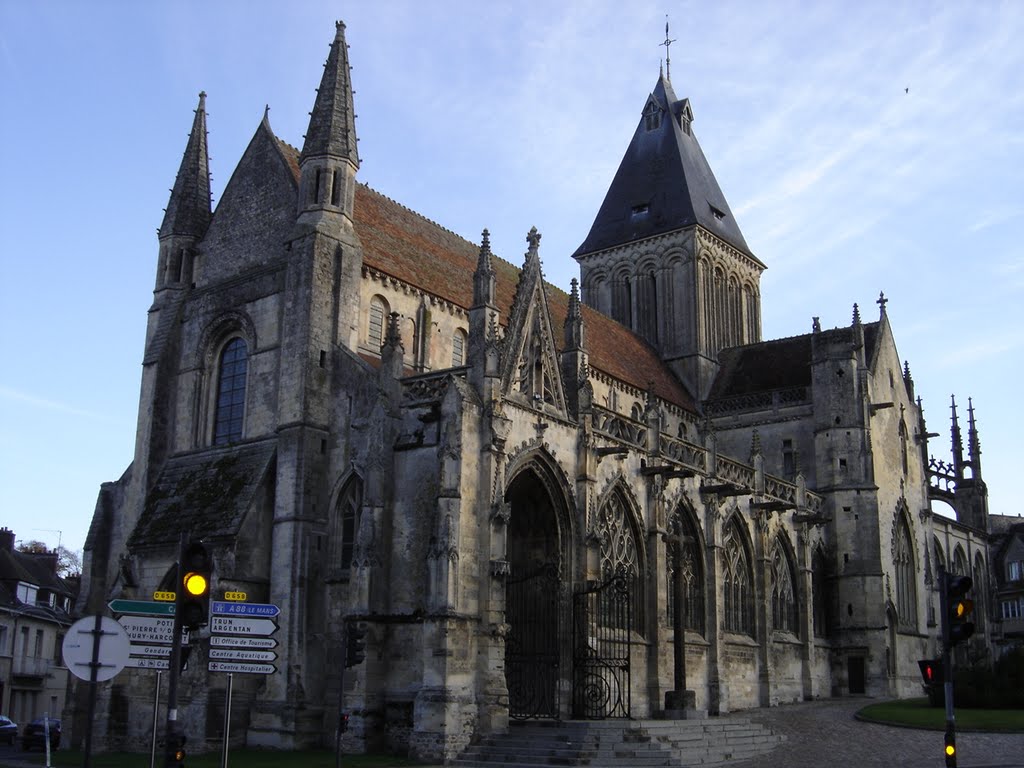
x,y
224,608
142,607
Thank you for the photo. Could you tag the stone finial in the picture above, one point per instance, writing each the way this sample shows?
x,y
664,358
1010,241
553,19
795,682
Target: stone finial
x,y
881,302
533,238
856,315
816,325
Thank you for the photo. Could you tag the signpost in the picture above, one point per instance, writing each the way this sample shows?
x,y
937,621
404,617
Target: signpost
x,y
95,649
240,641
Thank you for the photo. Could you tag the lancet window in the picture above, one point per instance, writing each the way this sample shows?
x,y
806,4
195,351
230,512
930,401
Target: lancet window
x,y
783,593
692,572
620,553
231,381
903,560
737,582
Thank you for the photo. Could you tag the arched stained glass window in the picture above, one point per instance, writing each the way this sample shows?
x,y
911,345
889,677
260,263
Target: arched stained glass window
x,y
906,590
693,579
737,582
231,379
783,593
620,553
343,526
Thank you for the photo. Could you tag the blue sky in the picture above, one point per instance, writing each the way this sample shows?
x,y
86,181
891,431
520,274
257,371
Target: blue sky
x,y
508,115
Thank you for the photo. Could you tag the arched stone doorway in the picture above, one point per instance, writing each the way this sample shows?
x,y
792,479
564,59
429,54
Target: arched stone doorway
x,y
538,554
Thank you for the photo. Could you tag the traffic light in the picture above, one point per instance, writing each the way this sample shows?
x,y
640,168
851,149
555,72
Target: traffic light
x,y
194,590
343,722
958,609
355,646
176,750
931,671
950,748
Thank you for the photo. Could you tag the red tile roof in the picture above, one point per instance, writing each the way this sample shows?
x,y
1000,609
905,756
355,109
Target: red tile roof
x,y
405,245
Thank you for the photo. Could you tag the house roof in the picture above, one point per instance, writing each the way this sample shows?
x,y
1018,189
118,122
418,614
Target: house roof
x,y
663,183
778,364
405,245
38,569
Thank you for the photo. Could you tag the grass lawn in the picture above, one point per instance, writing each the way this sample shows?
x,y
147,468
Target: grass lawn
x,y
250,758
916,713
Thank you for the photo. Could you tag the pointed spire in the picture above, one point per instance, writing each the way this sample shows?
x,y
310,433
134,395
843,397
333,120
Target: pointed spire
x,y
574,319
958,443
484,278
755,444
188,211
393,338
332,126
856,315
973,443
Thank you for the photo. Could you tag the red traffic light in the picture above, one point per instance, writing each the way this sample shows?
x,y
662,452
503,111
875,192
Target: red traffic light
x,y
931,671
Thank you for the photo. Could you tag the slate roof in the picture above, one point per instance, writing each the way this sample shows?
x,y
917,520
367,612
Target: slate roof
x,y
205,493
777,364
664,169
36,569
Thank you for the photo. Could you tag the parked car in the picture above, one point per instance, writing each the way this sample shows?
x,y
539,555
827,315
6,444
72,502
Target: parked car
x,y
34,734
8,729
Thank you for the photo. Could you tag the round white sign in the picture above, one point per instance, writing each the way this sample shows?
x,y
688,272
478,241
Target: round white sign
x,y
114,648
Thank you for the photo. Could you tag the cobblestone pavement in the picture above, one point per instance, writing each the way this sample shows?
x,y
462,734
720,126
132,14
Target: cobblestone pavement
x,y
825,733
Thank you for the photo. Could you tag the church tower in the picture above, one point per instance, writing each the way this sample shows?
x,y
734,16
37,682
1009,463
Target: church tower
x,y
665,255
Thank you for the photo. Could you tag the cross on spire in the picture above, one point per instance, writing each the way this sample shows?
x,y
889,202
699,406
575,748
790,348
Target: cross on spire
x,y
668,61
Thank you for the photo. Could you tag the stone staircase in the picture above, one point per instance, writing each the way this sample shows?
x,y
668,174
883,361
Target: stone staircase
x,y
718,741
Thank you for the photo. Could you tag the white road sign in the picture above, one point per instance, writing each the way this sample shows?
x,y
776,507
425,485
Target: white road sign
x,y
150,650
224,625
149,662
80,642
225,641
236,666
241,654
150,629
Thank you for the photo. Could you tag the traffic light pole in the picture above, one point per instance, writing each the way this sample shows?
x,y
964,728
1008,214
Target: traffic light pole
x,y
341,693
174,666
947,669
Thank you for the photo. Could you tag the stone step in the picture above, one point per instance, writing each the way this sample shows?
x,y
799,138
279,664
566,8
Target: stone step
x,y
615,743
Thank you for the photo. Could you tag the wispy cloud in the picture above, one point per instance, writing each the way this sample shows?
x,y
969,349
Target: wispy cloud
x,y
42,403
983,349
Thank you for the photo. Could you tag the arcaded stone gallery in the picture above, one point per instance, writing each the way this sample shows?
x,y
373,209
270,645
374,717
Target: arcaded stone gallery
x,y
527,496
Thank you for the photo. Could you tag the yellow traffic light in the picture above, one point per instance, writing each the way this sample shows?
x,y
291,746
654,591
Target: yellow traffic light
x,y
963,608
950,750
195,584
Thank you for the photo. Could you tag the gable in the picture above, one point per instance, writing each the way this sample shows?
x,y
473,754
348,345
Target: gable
x,y
254,215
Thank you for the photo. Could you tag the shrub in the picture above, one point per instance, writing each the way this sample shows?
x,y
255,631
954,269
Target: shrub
x,y
982,684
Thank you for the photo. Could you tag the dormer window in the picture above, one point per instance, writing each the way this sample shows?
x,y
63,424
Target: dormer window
x,y
719,215
652,116
641,210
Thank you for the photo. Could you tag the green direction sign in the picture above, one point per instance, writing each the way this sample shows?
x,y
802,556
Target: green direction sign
x,y
142,607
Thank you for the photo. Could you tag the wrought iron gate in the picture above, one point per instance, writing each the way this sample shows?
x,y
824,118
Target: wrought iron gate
x,y
532,647
602,621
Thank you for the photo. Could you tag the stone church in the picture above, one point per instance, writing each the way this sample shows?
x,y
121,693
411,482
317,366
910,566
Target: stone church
x,y
539,504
